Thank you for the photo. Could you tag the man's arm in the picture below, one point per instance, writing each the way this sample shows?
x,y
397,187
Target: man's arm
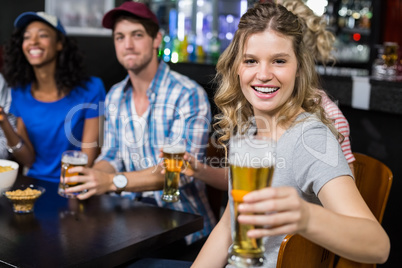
x,y
215,176
149,179
99,180
90,139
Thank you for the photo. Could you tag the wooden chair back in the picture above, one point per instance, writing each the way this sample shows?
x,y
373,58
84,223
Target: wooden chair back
x,y
373,179
297,251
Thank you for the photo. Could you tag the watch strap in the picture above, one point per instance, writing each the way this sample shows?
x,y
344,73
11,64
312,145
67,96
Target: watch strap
x,y
119,191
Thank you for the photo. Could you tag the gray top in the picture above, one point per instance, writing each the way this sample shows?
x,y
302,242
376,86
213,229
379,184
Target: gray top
x,y
308,155
5,102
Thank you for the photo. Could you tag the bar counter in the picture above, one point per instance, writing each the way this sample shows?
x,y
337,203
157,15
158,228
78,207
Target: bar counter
x,y
103,231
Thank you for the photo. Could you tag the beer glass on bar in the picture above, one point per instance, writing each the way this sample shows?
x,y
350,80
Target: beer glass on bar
x,y
70,159
390,58
173,152
390,53
252,161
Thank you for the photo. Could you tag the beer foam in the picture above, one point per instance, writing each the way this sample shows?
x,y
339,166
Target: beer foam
x,y
256,154
74,160
174,149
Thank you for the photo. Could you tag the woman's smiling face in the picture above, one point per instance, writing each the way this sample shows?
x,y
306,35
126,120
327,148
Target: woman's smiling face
x,y
268,71
40,44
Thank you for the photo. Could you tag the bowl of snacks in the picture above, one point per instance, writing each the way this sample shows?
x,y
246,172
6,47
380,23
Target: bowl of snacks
x,y
23,197
8,174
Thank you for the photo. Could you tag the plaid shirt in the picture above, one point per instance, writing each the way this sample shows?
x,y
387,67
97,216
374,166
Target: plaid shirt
x,y
178,108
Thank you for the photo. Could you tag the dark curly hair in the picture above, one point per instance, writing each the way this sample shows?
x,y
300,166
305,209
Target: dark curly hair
x,y
70,71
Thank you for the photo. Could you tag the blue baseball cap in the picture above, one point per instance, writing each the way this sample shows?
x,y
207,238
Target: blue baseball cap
x,y
27,17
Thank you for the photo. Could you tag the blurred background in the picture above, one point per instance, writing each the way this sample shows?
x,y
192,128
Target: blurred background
x,y
199,30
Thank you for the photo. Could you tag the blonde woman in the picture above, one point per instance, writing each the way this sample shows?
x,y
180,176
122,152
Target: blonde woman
x,y
313,196
319,42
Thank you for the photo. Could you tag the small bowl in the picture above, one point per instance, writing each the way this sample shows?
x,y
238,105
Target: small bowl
x,y
7,178
24,197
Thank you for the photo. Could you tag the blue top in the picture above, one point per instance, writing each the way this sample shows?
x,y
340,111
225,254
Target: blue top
x,y
54,127
178,108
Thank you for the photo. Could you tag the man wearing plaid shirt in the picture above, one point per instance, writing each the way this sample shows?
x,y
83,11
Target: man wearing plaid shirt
x,y
151,103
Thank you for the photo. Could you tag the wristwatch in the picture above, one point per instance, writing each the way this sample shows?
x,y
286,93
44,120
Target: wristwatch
x,y
120,181
16,147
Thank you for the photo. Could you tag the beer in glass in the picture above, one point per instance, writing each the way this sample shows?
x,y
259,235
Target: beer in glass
x,y
70,159
390,53
251,161
173,152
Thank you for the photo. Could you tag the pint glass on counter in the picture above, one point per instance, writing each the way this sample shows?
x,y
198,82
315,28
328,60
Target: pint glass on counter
x,y
390,53
252,162
173,152
70,159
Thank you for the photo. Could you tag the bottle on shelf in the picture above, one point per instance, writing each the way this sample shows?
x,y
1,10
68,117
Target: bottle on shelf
x,y
214,47
183,50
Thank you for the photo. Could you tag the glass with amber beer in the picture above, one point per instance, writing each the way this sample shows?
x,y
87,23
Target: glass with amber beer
x,y
173,152
390,57
390,53
70,159
252,161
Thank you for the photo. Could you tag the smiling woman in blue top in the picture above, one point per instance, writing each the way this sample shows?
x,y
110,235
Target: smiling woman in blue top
x,y
56,103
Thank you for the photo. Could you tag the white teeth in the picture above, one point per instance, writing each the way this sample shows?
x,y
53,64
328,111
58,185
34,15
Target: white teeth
x,y
35,51
266,89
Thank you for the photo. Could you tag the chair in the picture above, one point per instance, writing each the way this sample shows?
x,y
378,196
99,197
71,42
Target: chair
x,y
296,251
373,179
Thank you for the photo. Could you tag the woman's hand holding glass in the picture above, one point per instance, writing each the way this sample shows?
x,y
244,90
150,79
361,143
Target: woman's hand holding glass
x,y
2,114
278,210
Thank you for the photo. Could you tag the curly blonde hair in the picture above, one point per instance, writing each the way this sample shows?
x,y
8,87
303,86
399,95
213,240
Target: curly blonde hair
x,y
316,36
236,111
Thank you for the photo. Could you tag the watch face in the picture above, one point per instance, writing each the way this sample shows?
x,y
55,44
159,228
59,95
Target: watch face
x,y
120,181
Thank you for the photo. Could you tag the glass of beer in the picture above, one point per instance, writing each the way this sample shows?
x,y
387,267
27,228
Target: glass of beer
x,y
252,161
173,152
390,53
70,159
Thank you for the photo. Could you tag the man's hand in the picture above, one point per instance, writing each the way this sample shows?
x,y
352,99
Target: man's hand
x,y
191,165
